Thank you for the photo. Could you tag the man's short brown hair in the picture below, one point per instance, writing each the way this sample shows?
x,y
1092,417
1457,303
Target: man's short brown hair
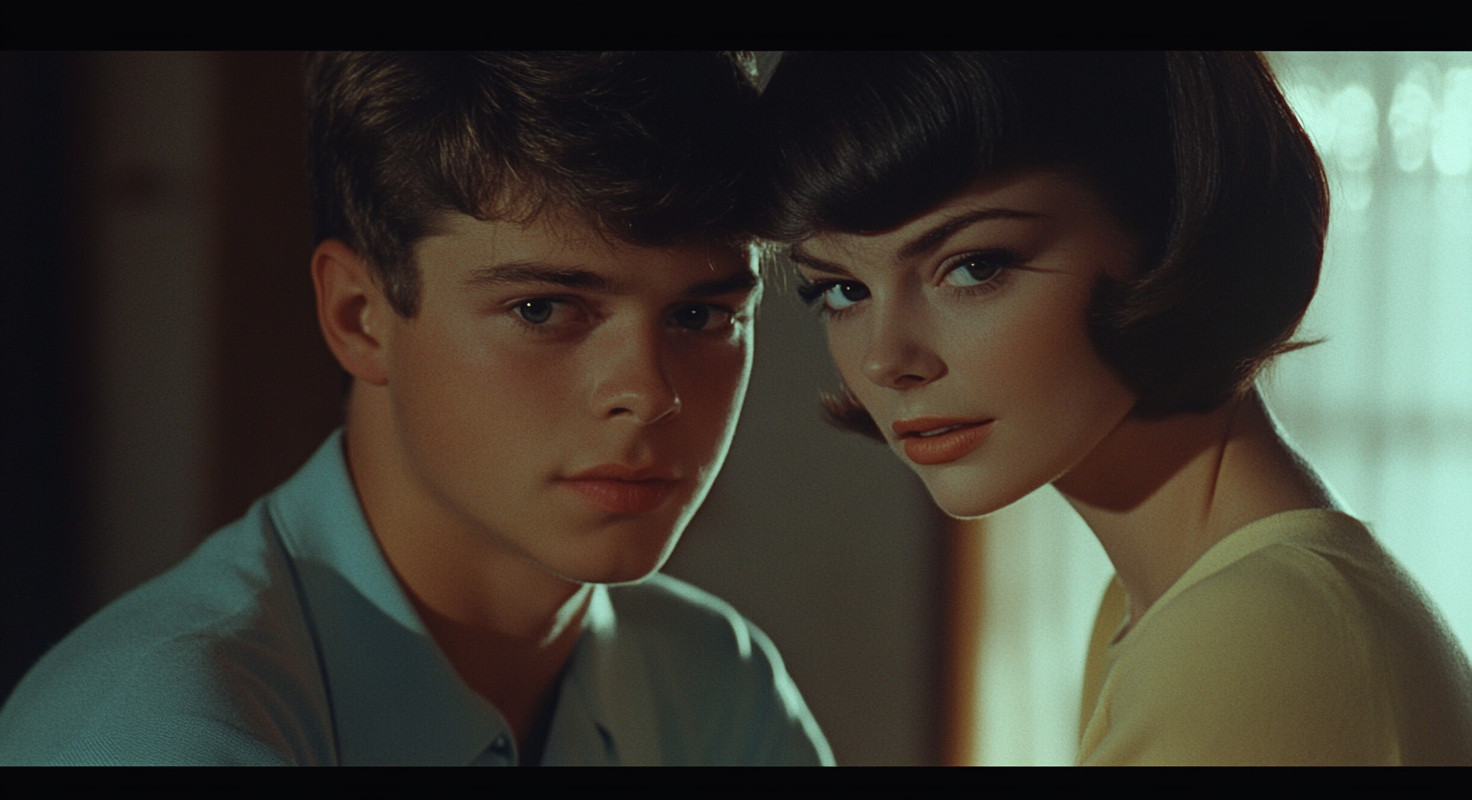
x,y
649,148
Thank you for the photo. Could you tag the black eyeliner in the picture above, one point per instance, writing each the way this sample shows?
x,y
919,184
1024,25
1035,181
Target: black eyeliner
x,y
811,291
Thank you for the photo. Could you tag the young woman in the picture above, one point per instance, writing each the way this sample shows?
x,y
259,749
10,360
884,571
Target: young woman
x,y
1069,269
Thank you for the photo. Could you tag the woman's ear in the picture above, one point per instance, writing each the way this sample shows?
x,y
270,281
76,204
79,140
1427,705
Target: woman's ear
x,y
352,310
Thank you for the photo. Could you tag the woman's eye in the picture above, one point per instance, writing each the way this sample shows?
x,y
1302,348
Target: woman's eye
x,y
836,295
978,269
702,317
843,294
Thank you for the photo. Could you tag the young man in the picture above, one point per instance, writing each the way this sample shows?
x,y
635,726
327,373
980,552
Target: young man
x,y
533,270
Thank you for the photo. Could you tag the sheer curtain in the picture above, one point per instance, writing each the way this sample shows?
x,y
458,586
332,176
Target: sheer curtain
x,y
1383,407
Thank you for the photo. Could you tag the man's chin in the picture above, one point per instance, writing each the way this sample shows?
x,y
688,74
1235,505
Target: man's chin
x,y
628,565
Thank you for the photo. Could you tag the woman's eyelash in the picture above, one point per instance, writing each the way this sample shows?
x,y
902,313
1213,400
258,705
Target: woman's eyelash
x,y
810,291
979,272
837,296
983,271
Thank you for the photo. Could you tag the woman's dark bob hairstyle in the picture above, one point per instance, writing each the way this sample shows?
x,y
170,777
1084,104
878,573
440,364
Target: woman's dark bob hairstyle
x,y
1197,154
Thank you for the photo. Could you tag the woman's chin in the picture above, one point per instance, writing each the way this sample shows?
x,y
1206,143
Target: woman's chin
x,y
970,493
968,505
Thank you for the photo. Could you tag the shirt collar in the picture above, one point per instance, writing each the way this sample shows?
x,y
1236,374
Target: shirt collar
x,y
395,698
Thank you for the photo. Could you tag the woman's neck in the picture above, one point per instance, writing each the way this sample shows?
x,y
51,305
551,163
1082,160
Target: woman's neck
x,y
1159,493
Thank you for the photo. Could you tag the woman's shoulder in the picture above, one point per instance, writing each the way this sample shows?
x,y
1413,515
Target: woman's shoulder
x,y
1301,641
1316,582
1251,664
1281,574
1312,576
1286,608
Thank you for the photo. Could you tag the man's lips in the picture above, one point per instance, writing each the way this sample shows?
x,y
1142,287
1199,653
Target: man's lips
x,y
940,440
620,489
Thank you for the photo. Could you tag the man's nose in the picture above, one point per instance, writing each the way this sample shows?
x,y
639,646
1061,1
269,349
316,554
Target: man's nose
x,y
633,381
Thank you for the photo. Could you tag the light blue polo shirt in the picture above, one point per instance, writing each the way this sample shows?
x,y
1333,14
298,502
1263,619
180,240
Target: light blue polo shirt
x,y
285,639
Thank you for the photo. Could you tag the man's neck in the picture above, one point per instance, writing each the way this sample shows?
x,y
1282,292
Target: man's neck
x,y
506,625
519,675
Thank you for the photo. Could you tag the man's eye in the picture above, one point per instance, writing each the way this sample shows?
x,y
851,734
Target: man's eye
x,y
702,317
535,311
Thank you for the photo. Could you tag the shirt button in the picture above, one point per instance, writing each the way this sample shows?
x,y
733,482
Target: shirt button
x,y
501,744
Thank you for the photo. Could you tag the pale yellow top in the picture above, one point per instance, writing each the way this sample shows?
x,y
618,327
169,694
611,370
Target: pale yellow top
x,y
1295,640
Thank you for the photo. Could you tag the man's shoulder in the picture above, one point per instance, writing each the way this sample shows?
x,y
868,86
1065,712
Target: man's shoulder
x,y
666,613
719,676
210,662
660,600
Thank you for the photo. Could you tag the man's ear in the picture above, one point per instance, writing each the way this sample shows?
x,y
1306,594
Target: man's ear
x,y
352,310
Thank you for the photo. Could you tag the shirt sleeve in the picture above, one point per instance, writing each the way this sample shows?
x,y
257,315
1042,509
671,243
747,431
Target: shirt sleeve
x,y
187,702
177,741
149,729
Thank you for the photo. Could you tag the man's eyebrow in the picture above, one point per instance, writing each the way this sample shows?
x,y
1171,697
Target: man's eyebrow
x,y
533,272
523,272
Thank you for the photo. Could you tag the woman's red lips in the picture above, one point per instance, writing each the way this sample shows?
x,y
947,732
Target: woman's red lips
x,y
934,440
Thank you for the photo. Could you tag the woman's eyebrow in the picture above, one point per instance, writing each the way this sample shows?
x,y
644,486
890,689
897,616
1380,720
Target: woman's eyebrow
x,y
743,280
535,272
935,237
922,244
796,255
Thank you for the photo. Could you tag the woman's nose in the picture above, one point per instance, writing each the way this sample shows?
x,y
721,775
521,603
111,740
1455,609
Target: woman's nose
x,y
898,357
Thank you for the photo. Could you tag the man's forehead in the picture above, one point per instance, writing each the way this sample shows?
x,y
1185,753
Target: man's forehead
x,y
555,228
568,251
